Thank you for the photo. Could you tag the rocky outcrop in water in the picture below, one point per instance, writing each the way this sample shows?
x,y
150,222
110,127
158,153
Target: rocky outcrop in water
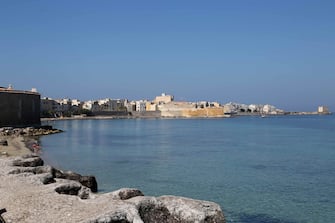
x,y
124,205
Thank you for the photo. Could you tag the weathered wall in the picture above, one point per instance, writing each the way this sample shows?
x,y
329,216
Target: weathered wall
x,y
204,112
19,108
147,114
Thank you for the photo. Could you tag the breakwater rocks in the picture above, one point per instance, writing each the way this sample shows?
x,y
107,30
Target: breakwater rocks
x,y
28,131
24,177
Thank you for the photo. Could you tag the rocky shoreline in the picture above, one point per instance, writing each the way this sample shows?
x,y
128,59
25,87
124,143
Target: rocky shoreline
x,y
33,192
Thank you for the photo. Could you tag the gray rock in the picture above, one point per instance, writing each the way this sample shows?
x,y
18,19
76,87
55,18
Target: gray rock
x,y
70,188
44,169
153,211
87,181
90,182
34,170
190,210
3,142
84,193
113,217
171,209
22,170
126,193
28,162
47,178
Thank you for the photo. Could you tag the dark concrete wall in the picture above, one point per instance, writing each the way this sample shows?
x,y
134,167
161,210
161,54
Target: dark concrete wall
x,y
19,108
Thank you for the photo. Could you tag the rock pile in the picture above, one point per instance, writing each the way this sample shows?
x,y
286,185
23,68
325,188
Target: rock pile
x,y
125,205
28,131
73,183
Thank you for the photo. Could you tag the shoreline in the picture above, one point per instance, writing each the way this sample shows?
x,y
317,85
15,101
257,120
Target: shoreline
x,y
16,146
181,117
34,193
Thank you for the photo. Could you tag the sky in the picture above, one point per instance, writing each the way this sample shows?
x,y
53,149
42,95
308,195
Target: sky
x,y
279,52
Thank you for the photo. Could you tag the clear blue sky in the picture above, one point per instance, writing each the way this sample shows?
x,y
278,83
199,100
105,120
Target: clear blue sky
x,y
280,52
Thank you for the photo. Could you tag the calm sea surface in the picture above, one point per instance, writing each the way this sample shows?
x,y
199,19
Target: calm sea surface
x,y
260,170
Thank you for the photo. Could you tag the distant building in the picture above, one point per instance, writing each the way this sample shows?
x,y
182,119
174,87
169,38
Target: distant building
x,y
163,99
91,105
323,109
64,104
76,105
175,109
253,108
130,106
141,106
151,106
111,105
49,105
268,109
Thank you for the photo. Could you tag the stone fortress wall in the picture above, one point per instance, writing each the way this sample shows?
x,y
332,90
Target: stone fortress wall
x,y
19,108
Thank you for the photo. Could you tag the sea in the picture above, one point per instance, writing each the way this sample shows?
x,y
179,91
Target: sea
x,y
278,169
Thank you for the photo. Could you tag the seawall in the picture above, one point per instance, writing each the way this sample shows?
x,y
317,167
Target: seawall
x,y
19,108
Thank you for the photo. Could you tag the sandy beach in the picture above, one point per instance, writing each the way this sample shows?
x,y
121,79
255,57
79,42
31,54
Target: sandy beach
x,y
16,146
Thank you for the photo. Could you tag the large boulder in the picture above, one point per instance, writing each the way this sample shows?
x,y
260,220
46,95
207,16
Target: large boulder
x,y
34,164
126,193
87,181
113,217
90,182
34,170
172,209
191,210
68,187
28,161
151,210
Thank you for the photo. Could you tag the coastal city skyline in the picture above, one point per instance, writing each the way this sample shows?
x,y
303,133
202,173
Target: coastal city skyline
x,y
278,53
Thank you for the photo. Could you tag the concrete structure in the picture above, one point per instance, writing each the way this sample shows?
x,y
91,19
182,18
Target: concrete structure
x,y
141,106
175,109
268,109
130,106
91,105
64,104
19,108
163,99
151,106
208,112
323,110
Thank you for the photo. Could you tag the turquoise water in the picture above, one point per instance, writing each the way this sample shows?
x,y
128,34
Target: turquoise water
x,y
260,170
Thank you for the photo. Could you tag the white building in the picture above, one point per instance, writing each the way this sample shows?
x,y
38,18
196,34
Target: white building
x,y
323,109
130,106
91,106
65,104
141,106
253,108
269,109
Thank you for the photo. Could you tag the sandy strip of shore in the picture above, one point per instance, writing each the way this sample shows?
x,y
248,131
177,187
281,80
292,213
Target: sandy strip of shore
x,y
16,146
